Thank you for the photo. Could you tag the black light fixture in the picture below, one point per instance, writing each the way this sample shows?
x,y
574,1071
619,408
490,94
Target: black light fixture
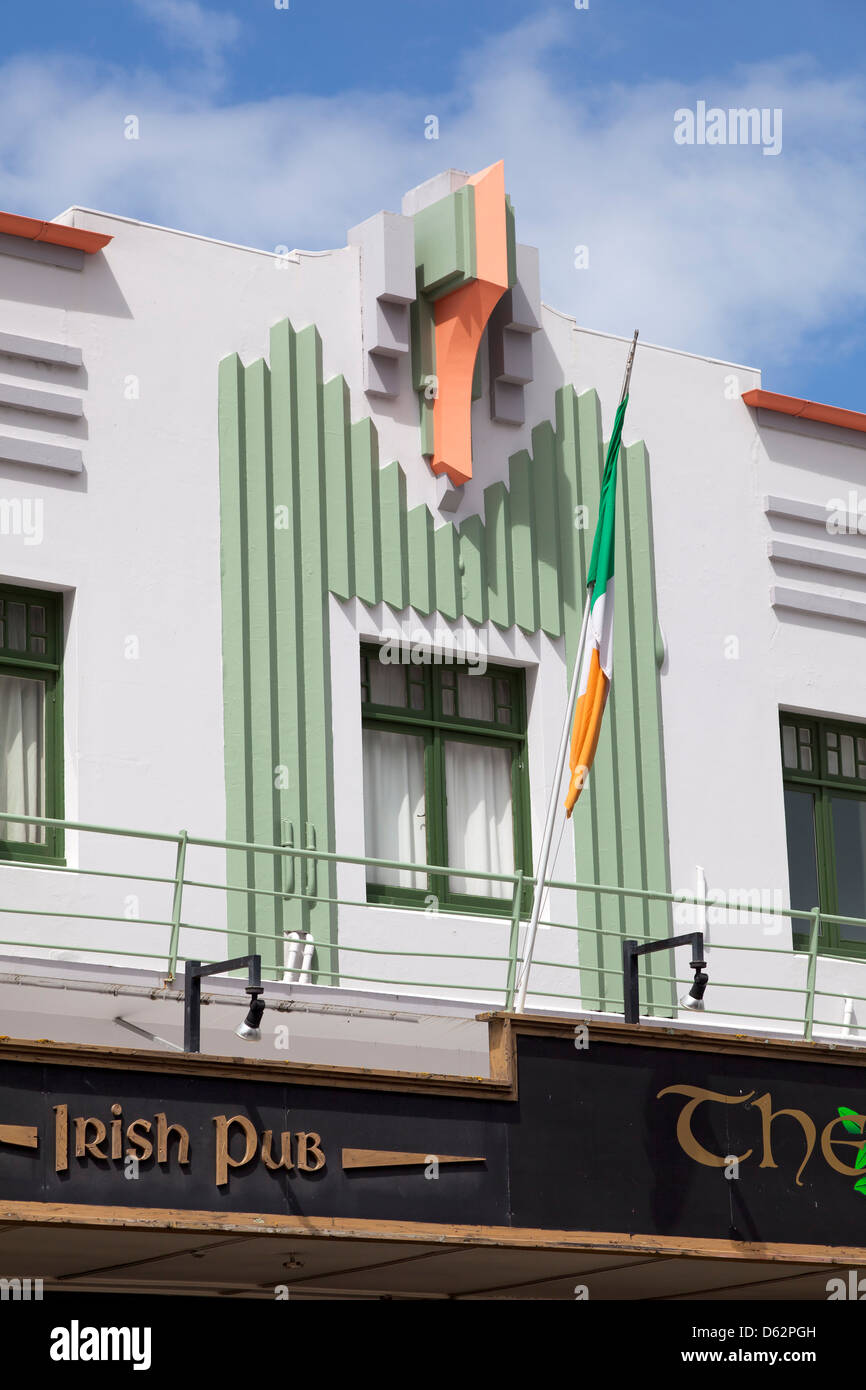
x,y
632,949
695,997
249,1030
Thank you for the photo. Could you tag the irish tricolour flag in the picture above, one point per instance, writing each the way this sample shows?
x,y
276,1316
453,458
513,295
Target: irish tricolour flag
x,y
597,665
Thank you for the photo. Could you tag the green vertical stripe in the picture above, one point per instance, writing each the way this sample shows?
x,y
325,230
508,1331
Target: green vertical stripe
x,y
315,625
236,703
649,766
472,564
419,531
261,645
523,542
365,510
394,542
546,529
500,569
338,491
449,591
287,617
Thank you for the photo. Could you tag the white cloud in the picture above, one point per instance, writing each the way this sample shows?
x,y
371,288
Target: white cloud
x,y
716,250
205,32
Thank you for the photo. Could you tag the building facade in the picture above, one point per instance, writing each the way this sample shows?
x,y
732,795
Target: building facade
x,y
295,548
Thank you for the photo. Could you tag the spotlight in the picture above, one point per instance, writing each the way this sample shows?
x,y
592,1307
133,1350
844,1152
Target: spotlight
x,y
695,997
249,1030
194,972
631,950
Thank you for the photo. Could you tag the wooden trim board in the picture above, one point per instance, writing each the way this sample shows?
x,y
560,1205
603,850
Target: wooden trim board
x,y
420,1232
500,1085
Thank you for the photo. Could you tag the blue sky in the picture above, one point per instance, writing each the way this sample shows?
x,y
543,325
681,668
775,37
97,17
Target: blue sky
x,y
284,127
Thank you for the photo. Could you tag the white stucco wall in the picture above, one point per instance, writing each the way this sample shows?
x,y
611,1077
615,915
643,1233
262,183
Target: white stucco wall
x,y
135,541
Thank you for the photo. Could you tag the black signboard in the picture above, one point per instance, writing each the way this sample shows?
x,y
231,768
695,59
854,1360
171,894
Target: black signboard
x,y
610,1137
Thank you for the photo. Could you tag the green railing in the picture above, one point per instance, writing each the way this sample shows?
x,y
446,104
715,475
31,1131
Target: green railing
x,y
505,965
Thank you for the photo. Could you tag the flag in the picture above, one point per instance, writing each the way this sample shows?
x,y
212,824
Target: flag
x,y
597,665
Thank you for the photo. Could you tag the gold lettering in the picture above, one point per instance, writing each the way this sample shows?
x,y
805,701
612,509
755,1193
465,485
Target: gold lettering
x,y
765,1105
687,1141
140,1141
117,1132
224,1160
310,1144
285,1161
827,1142
61,1142
82,1144
163,1132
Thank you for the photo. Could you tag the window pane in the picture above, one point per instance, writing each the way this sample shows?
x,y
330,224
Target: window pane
x,y
802,858
22,756
789,745
474,696
16,631
387,683
480,822
848,756
849,843
394,808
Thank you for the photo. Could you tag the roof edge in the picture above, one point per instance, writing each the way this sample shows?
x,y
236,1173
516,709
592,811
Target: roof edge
x,y
806,410
54,233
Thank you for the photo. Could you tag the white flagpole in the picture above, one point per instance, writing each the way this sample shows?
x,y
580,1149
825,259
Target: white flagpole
x,y
547,835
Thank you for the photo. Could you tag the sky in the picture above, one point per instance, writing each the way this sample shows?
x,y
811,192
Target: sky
x,y
284,122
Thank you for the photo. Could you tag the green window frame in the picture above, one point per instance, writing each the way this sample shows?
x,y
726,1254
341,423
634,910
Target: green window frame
x,y
431,713
823,773
31,648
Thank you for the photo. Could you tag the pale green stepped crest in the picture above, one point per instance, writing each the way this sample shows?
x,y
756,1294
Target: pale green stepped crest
x,y
289,451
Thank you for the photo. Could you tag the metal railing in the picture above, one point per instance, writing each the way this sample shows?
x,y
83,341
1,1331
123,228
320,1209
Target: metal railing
x,y
334,955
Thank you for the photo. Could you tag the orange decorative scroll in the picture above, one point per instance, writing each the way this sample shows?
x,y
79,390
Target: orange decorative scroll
x,y
460,319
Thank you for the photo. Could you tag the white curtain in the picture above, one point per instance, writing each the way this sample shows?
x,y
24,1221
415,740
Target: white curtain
x,y
480,834
387,683
475,696
395,824
22,756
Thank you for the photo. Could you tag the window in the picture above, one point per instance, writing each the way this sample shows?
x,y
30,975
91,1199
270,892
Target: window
x,y
445,781
824,767
31,734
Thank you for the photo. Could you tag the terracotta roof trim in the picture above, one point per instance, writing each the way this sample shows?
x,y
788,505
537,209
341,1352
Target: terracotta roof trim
x,y
806,410
55,233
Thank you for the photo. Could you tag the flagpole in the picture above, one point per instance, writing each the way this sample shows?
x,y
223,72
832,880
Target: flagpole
x,y
550,818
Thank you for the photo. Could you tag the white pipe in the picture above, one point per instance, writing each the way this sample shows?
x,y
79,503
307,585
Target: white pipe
x,y
701,892
547,836
290,965
309,945
299,958
285,1006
